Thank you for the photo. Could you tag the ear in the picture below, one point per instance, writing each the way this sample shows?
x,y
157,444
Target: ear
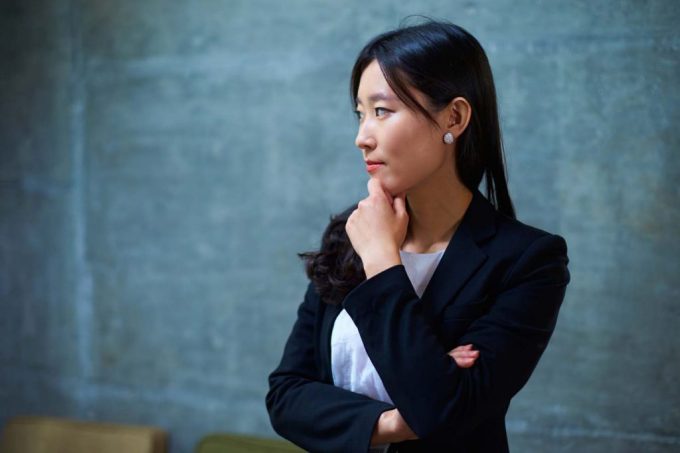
x,y
459,113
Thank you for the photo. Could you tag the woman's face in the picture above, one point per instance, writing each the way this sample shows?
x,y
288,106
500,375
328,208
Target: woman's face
x,y
407,145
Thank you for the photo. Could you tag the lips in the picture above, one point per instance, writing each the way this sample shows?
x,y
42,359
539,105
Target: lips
x,y
373,165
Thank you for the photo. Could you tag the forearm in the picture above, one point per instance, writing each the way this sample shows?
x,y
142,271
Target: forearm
x,y
322,417
383,314
308,410
511,335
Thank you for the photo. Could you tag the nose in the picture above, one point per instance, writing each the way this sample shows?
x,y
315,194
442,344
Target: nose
x,y
365,140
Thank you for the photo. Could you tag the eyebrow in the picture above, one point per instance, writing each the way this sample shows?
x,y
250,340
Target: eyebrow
x,y
378,97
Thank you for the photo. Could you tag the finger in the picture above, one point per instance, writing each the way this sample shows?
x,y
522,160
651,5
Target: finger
x,y
464,363
399,205
462,355
386,193
462,348
375,189
371,186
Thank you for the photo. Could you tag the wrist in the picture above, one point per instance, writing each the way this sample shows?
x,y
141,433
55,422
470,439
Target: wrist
x,y
384,430
377,264
391,427
400,431
390,423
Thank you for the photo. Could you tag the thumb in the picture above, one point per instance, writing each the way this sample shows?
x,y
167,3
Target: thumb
x,y
374,187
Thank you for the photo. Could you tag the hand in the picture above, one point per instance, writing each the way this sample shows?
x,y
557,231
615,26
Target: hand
x,y
464,356
377,228
391,427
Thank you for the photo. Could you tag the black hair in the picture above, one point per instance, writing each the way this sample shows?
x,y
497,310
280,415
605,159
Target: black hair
x,y
442,61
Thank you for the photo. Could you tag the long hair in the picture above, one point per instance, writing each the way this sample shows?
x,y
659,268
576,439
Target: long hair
x,y
443,61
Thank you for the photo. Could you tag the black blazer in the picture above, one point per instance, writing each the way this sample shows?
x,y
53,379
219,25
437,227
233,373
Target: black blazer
x,y
499,285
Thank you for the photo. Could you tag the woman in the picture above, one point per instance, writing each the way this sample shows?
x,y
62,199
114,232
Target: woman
x,y
429,305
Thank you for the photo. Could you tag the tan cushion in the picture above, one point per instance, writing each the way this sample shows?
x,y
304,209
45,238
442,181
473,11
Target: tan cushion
x,y
231,443
58,435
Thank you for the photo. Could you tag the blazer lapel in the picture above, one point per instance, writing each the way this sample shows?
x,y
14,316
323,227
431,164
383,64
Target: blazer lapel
x,y
461,259
462,256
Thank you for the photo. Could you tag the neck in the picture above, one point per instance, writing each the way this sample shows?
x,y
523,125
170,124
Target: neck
x,y
435,210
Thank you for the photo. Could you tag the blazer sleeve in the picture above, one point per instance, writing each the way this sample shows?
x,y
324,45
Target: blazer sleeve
x,y
316,415
432,393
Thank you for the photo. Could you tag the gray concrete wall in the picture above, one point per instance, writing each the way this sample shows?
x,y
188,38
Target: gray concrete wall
x,y
161,164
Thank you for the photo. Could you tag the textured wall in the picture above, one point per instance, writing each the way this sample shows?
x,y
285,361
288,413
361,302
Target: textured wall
x,y
161,164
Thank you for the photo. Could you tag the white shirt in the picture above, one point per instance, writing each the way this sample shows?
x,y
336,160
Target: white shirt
x,y
351,367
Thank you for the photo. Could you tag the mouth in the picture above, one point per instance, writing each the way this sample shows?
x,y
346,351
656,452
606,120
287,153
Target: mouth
x,y
373,165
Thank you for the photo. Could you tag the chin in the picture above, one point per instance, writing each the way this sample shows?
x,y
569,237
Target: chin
x,y
392,187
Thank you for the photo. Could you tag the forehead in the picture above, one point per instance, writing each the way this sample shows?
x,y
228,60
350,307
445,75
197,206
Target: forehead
x,y
373,86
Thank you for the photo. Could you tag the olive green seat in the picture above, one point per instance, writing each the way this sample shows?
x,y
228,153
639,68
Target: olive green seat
x,y
60,435
232,443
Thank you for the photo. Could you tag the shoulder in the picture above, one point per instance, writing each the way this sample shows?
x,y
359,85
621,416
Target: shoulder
x,y
520,234
526,249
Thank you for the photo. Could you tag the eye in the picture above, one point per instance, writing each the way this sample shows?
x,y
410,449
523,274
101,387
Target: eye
x,y
359,115
379,110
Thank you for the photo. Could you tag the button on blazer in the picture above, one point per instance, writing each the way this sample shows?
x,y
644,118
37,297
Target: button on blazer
x,y
499,285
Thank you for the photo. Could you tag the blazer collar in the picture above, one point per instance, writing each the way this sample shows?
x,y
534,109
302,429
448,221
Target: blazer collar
x,y
462,256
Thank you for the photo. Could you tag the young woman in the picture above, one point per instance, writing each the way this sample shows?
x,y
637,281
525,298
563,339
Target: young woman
x,y
429,304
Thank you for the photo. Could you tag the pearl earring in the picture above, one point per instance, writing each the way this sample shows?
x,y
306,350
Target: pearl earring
x,y
448,138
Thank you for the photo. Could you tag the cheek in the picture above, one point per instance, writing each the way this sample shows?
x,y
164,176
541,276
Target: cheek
x,y
412,155
401,176
411,168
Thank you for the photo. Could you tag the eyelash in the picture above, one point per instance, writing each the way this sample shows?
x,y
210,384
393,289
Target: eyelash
x,y
358,113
